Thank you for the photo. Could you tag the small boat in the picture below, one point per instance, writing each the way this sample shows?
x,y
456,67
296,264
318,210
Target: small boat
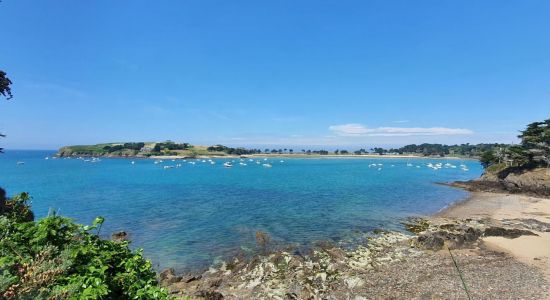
x,y
168,167
20,163
133,162
46,158
242,164
267,165
212,162
227,164
282,161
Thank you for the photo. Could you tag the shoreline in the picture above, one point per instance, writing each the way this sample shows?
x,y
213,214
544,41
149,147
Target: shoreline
x,y
515,209
277,156
489,248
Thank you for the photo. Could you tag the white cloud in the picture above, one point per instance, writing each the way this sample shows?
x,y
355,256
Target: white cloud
x,y
361,130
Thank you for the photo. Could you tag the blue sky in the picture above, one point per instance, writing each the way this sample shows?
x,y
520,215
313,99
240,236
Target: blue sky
x,y
263,73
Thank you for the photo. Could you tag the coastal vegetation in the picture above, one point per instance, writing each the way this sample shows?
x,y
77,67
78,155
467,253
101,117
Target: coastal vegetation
x,y
533,151
55,258
169,148
5,91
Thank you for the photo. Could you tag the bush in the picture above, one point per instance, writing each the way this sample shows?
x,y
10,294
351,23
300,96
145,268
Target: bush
x,y
55,258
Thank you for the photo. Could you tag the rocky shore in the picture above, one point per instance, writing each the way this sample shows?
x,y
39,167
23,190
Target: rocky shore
x,y
393,265
535,182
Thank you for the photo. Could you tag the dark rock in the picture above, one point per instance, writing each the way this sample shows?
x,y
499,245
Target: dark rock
x,y
507,233
416,225
532,224
119,236
430,242
188,278
209,295
448,226
168,277
291,296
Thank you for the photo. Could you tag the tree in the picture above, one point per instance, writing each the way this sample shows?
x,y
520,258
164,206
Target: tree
x,y
5,82
536,140
5,90
488,158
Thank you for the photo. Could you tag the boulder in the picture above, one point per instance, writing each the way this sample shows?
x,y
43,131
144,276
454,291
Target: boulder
x,y
430,241
168,277
507,233
119,236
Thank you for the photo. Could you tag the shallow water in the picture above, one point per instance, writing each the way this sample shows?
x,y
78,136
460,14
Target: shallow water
x,y
190,216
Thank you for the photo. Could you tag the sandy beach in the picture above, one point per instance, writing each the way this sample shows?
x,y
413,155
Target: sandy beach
x,y
512,209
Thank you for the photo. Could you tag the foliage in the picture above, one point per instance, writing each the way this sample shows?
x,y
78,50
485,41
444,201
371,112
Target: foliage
x,y
487,158
16,208
533,151
168,145
236,151
5,82
5,90
536,139
55,258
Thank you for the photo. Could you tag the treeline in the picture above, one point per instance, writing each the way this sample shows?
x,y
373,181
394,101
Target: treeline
x,y
170,146
426,149
233,151
125,146
533,151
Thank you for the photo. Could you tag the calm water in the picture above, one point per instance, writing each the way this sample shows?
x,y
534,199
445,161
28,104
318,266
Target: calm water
x,y
190,216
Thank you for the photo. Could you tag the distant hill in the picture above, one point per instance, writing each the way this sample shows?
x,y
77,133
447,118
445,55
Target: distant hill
x,y
147,149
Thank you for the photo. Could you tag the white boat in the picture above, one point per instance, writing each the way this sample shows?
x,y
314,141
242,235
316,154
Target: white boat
x,y
227,164
20,163
168,167
267,165
133,162
242,164
46,158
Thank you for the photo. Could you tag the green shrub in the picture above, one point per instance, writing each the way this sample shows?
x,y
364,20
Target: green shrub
x,y
55,258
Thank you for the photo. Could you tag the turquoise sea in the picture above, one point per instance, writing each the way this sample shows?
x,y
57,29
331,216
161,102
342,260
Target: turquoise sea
x,y
191,216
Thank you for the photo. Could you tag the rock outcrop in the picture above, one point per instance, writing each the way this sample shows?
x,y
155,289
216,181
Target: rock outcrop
x,y
390,263
534,182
